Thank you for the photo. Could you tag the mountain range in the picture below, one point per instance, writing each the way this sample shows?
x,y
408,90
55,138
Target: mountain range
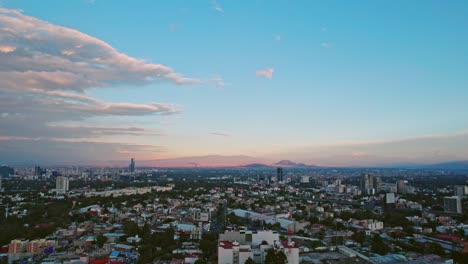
x,y
211,161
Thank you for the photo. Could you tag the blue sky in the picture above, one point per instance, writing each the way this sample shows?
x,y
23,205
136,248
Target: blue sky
x,y
344,72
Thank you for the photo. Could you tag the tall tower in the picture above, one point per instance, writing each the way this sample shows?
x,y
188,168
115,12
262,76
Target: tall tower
x,y
61,184
453,204
377,184
401,186
367,183
132,165
279,174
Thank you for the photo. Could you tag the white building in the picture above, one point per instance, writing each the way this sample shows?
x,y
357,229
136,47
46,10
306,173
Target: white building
x,y
61,184
249,237
367,224
453,204
235,247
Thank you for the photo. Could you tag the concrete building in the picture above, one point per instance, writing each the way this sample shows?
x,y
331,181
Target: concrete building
x,y
367,224
233,252
17,249
367,184
305,179
61,184
235,247
452,204
458,190
39,245
250,237
279,174
401,186
131,167
201,215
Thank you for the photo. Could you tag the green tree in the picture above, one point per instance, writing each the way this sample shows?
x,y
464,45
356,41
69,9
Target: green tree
x,y
378,245
359,237
321,234
249,261
434,248
275,257
100,240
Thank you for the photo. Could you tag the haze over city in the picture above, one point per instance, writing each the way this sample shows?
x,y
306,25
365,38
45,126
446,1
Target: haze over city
x,y
331,83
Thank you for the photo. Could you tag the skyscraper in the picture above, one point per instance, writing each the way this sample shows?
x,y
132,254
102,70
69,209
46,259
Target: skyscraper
x,y
61,184
6,171
377,184
279,174
453,204
401,186
367,183
132,166
459,190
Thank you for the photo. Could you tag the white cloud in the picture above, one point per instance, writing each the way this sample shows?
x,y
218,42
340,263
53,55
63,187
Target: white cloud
x,y
42,48
46,71
220,134
217,6
267,73
326,44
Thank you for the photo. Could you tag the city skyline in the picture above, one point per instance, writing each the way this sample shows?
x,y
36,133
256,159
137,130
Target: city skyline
x,y
330,84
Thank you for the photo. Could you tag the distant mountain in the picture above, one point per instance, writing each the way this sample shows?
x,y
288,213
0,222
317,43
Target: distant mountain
x,y
256,165
292,164
452,165
200,161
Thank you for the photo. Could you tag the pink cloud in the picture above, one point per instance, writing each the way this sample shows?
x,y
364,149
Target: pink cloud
x,y
7,48
267,73
220,134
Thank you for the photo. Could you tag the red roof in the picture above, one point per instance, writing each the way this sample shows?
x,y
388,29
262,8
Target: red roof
x,y
448,238
287,245
225,244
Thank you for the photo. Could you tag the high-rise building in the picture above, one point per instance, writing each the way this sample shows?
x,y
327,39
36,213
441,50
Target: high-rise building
x,y
401,186
389,198
460,190
5,171
279,174
38,171
453,204
377,184
61,184
367,184
131,167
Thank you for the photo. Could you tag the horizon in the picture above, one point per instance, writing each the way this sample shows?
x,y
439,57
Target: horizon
x,y
329,84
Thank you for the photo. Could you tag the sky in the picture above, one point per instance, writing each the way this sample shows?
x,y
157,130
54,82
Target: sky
x,y
334,83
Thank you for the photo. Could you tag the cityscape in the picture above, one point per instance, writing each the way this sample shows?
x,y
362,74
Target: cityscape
x,y
233,132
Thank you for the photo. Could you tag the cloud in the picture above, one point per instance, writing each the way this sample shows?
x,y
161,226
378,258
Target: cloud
x,y
267,73
326,44
420,150
46,72
217,6
98,131
73,152
359,154
277,37
220,134
67,59
7,48
173,27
